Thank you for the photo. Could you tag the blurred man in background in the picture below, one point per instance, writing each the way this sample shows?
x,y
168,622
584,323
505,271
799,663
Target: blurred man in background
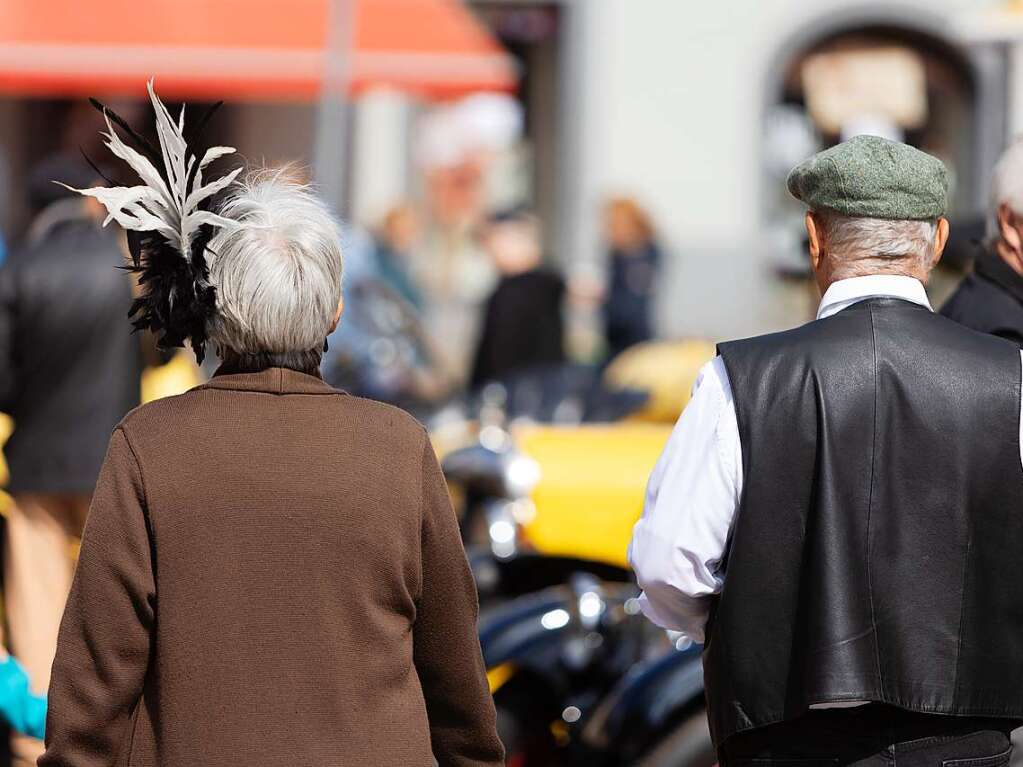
x,y
70,372
522,322
991,298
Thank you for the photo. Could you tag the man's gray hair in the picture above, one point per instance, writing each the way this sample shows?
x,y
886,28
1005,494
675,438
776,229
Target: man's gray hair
x,y
278,273
1007,184
875,245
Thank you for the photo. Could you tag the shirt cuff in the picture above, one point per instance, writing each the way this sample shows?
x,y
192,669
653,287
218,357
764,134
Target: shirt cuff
x,y
688,616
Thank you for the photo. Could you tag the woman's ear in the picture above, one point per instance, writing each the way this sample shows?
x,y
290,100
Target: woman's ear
x,y
337,315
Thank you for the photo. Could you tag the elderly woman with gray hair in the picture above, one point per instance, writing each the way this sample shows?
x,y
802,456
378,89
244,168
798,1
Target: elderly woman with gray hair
x,y
271,571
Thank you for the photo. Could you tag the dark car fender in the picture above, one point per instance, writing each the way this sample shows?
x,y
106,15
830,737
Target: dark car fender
x,y
526,633
652,697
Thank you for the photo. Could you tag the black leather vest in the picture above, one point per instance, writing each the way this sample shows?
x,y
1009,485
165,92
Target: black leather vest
x,y
877,550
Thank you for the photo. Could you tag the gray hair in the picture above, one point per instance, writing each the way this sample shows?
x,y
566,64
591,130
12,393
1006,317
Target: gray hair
x,y
876,245
1007,184
278,273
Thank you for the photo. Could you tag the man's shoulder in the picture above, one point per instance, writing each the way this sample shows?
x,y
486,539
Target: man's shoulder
x,y
859,331
776,341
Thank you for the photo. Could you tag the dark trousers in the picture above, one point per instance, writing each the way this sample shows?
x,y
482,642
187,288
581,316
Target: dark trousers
x,y
873,736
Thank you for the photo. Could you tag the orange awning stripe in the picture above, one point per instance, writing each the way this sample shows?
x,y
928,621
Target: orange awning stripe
x,y
242,49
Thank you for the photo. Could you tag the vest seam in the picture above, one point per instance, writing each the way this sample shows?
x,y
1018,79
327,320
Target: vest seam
x,y
962,612
1019,410
870,507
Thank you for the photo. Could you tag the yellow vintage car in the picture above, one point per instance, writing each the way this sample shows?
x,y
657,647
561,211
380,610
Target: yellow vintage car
x,y
539,500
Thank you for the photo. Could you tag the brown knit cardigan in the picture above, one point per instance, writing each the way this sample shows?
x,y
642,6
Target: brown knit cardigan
x,y
271,575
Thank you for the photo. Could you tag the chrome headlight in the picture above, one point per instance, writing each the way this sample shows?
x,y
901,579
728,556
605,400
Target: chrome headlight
x,y
521,474
504,525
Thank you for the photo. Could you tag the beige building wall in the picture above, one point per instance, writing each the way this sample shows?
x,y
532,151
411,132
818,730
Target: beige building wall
x,y
670,106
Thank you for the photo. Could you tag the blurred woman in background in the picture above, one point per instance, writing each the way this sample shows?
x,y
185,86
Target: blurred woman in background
x,y
633,261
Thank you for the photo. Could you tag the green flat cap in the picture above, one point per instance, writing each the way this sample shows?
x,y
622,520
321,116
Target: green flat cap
x,y
872,177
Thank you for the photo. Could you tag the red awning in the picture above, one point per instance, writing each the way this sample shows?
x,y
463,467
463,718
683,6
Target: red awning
x,y
253,49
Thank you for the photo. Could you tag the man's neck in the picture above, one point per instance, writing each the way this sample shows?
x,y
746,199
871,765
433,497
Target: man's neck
x,y
826,281
844,293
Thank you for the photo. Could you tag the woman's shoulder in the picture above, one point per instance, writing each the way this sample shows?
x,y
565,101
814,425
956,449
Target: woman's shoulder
x,y
383,416
190,411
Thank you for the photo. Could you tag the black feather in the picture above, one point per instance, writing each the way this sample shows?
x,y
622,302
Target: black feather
x,y
135,246
177,300
196,135
95,167
200,126
141,142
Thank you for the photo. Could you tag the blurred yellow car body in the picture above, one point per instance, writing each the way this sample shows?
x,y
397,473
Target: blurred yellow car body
x,y
177,376
592,481
666,370
6,424
593,477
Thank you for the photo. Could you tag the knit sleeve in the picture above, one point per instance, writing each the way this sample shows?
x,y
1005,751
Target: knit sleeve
x,y
104,642
447,650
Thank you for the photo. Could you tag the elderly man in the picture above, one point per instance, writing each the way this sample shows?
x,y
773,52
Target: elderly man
x,y
837,512
991,298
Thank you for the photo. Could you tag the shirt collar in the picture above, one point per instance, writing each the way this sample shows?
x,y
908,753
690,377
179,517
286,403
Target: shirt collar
x,y
844,293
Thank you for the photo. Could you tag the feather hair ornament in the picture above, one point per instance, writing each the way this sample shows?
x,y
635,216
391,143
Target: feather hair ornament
x,y
169,222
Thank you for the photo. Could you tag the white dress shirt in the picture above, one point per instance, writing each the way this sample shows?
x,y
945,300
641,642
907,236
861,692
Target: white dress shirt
x,y
695,488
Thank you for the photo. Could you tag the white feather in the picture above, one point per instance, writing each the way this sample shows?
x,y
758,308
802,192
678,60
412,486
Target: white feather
x,y
200,194
214,153
169,206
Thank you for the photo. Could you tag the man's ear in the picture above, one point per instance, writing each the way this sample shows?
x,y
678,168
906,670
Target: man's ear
x,y
1007,228
940,240
813,235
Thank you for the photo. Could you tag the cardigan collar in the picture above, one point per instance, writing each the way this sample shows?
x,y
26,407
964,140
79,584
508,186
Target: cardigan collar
x,y
271,380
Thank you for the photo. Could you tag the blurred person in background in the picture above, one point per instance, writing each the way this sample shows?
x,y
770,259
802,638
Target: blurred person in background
x,y
456,147
395,243
23,710
382,351
522,321
70,371
991,298
272,572
633,260
836,514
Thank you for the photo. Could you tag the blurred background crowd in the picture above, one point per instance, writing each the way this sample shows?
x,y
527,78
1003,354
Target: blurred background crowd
x,y
591,189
